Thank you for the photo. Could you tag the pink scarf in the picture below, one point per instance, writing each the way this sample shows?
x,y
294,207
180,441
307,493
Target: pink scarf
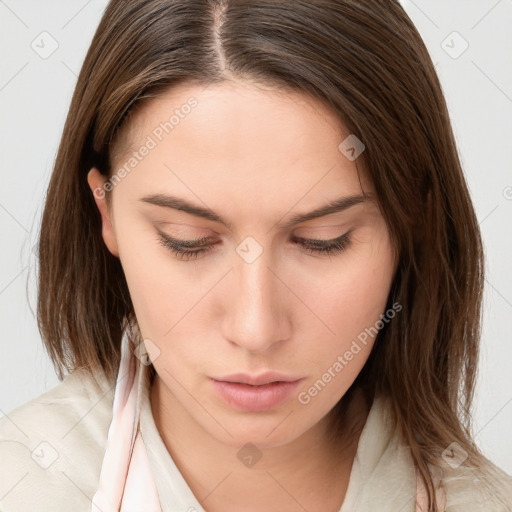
x,y
126,481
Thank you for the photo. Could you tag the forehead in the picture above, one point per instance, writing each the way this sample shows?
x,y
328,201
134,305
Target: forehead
x,y
237,118
266,145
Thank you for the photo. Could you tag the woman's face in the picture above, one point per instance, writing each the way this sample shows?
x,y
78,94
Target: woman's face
x,y
229,169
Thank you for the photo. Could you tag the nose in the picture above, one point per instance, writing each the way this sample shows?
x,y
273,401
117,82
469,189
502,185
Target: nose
x,y
256,306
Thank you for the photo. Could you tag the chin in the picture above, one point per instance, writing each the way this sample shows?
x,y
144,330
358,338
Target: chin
x,y
265,431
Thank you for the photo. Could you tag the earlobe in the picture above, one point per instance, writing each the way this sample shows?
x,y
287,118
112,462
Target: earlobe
x,y
96,180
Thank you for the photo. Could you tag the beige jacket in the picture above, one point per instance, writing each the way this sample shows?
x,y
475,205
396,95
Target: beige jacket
x,y
51,452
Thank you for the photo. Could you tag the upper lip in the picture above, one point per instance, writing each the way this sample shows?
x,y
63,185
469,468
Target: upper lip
x,y
258,380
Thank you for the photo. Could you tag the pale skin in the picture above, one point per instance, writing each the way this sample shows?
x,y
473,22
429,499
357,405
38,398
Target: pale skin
x,y
255,157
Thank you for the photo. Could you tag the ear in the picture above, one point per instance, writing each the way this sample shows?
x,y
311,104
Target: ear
x,y
96,180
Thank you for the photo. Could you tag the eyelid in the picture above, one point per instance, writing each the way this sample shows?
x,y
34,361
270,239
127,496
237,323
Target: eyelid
x,y
191,249
197,242
320,241
206,240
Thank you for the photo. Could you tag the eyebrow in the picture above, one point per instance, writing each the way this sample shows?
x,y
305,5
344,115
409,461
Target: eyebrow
x,y
176,203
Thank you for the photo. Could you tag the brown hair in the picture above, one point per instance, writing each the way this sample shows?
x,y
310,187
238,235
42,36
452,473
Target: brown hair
x,y
368,64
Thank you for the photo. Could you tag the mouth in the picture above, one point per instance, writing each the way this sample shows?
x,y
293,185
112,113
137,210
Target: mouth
x,y
255,393
257,380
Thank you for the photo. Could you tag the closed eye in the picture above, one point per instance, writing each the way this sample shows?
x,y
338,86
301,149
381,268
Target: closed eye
x,y
191,249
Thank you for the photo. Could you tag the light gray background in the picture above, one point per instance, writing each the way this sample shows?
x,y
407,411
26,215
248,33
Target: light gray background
x,y
34,97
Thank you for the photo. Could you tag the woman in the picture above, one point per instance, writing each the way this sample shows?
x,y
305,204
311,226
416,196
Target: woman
x,y
260,263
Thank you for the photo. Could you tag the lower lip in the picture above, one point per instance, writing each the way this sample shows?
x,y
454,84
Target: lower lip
x,y
254,398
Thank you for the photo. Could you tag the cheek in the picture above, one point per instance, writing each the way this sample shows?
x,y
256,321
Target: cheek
x,y
353,298
351,306
167,300
154,285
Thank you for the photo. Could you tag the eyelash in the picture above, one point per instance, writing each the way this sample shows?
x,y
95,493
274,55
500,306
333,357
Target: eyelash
x,y
182,248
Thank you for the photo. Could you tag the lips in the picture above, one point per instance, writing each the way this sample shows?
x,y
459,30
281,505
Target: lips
x,y
258,380
255,393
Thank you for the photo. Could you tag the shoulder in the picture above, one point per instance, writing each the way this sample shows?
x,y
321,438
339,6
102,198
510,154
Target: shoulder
x,y
484,489
52,447
460,486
